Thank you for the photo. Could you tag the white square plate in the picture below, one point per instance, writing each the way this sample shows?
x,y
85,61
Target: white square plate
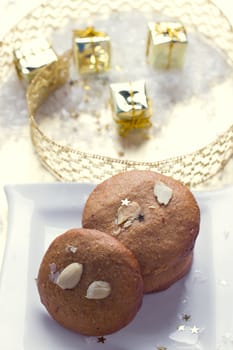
x,y
39,212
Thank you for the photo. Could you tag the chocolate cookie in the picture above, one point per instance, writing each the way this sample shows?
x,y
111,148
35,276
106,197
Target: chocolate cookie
x,y
90,282
153,215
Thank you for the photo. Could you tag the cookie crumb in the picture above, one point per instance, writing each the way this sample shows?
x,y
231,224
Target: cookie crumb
x,y
53,274
71,249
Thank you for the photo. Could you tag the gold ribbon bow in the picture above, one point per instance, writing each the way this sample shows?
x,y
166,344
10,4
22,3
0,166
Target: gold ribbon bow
x,y
168,29
88,32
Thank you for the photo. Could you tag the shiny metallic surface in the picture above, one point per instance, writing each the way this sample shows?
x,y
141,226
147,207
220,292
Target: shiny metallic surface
x,y
31,56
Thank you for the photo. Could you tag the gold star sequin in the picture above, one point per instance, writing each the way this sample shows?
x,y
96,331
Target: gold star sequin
x,y
161,348
125,202
186,317
121,154
181,328
101,340
74,114
195,330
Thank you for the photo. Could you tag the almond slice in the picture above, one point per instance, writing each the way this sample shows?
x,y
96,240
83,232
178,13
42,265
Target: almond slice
x,y
163,193
98,290
128,213
70,276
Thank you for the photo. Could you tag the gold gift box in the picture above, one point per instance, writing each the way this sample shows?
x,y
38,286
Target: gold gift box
x,y
32,56
92,51
166,45
130,105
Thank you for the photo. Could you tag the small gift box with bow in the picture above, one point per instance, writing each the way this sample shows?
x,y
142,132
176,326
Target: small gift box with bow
x,y
31,57
166,45
131,106
91,50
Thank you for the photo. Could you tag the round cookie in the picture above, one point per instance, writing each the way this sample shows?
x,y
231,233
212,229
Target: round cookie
x,y
89,282
153,215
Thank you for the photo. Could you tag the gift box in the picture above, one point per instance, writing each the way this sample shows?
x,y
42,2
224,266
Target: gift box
x,y
166,45
92,51
130,105
32,56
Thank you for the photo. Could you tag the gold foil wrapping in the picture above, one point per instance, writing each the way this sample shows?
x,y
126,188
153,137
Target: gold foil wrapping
x,y
31,56
166,45
92,51
131,106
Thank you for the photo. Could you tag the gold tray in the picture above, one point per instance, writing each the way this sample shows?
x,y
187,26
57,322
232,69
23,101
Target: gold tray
x,y
69,163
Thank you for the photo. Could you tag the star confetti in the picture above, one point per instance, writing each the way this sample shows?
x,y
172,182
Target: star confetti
x,y
194,330
140,217
181,328
101,340
161,348
186,317
223,283
184,301
125,202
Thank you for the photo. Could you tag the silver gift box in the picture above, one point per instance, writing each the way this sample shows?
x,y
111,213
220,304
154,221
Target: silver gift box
x,y
32,56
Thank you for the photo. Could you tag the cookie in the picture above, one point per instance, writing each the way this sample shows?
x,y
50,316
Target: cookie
x,y
153,215
89,282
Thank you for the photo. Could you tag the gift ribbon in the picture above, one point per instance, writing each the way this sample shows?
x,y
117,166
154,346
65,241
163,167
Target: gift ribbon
x,y
165,29
90,32
124,126
173,34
